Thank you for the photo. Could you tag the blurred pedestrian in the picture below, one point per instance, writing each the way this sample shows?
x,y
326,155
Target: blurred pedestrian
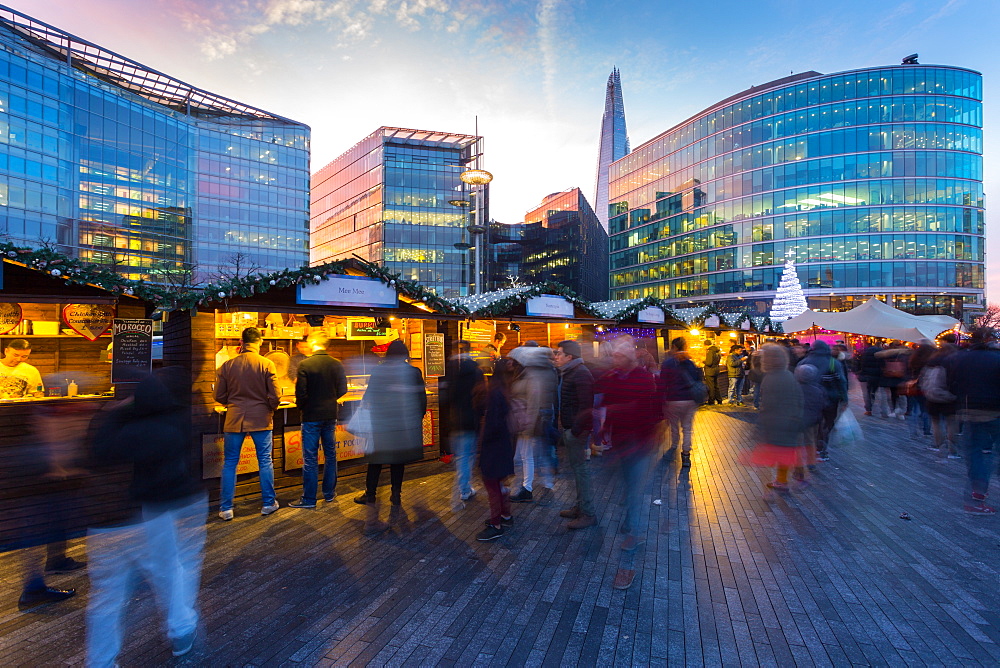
x,y
464,383
152,431
575,420
893,365
870,373
920,422
754,376
397,399
320,382
941,404
245,385
496,447
974,378
681,387
833,378
713,360
814,402
632,417
535,386
779,421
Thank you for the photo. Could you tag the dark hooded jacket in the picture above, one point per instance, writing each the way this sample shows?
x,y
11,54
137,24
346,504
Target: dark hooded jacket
x,y
833,375
152,431
814,397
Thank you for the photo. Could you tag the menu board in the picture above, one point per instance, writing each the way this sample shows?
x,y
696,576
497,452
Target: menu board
x,y
434,354
131,349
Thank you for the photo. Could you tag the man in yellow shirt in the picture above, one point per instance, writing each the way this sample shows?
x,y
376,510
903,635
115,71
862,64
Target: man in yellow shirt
x,y
17,377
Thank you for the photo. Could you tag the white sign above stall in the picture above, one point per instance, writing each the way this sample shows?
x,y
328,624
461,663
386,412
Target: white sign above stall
x,y
349,291
651,314
549,306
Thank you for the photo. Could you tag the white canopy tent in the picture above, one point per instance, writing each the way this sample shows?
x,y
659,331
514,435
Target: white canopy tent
x,y
874,318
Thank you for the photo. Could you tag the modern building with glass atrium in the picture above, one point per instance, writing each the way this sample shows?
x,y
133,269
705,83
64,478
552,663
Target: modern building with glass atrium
x,y
396,198
871,179
116,163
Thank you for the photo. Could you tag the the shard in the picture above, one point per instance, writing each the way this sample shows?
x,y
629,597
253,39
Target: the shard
x,y
614,142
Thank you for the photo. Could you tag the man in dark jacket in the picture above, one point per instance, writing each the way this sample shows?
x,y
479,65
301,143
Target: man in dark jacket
x,y
713,359
575,405
464,396
321,381
974,378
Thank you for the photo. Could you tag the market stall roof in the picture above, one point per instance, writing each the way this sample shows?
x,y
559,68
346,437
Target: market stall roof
x,y
874,318
513,303
633,310
49,285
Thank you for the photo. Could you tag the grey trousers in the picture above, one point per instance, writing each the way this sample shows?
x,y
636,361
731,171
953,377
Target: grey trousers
x,y
576,447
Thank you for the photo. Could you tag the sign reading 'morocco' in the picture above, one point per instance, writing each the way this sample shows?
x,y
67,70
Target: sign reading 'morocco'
x,y
349,291
549,306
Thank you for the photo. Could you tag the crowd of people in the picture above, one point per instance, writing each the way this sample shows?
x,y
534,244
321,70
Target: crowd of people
x,y
535,408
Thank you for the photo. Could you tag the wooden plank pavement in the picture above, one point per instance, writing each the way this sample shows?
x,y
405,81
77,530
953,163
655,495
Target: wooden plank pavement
x,y
729,575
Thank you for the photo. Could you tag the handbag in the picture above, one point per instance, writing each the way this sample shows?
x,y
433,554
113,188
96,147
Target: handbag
x,y
360,425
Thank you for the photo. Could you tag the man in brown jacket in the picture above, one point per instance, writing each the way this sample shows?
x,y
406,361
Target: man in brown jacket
x,y
246,387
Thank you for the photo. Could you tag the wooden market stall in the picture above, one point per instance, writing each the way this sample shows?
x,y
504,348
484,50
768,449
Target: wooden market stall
x,y
360,314
51,389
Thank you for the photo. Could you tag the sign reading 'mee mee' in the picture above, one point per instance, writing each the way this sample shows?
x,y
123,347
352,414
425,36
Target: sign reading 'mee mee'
x,y
349,291
652,314
549,306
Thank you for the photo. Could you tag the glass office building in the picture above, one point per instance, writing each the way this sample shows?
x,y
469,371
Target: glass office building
x,y
396,199
561,240
870,179
118,164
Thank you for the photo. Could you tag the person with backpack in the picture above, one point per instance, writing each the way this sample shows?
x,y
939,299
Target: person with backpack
x,y
833,379
814,402
682,390
940,402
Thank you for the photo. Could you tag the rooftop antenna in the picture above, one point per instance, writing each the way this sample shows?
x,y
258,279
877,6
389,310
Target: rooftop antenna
x,y
911,59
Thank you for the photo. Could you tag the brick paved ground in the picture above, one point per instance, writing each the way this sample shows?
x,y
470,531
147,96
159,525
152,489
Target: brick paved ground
x,y
830,575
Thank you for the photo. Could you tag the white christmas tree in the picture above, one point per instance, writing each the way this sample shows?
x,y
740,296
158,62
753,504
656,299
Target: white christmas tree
x,y
789,300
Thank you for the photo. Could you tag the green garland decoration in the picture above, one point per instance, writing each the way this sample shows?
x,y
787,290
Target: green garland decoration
x,y
502,307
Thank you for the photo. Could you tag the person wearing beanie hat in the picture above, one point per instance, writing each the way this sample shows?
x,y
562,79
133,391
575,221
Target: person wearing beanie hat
x,y
575,419
397,400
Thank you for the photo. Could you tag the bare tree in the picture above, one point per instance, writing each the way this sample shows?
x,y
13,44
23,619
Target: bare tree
x,y
990,317
236,268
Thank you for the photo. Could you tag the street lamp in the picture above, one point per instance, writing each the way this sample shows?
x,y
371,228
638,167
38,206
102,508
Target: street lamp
x,y
477,178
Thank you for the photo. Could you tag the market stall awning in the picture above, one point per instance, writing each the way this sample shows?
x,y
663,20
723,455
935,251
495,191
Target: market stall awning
x,y
874,318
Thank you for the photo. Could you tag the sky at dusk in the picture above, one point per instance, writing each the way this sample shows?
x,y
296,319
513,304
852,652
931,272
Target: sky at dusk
x,y
533,72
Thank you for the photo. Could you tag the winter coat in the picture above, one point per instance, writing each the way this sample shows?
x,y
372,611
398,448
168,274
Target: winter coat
x,y
535,388
463,384
496,438
245,385
833,373
677,376
632,409
320,381
974,378
899,356
713,357
735,364
152,432
397,400
576,397
869,370
814,396
779,420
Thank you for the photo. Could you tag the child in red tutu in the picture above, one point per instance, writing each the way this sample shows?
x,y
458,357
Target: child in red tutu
x,y
779,422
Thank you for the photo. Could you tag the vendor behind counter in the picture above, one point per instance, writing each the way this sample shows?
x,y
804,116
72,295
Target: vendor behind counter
x,y
19,379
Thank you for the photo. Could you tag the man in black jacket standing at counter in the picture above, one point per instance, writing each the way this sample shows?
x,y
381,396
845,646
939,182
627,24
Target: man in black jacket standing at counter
x,y
576,404
321,380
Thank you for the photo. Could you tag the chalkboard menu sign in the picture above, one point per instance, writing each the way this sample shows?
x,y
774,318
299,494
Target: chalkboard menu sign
x,y
131,349
434,354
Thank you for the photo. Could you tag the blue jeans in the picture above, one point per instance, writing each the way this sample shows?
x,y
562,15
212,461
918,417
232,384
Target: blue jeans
x,y
232,444
980,439
463,446
635,467
312,434
736,391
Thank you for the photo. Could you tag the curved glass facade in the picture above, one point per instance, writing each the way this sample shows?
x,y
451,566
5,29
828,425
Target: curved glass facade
x,y
118,173
871,179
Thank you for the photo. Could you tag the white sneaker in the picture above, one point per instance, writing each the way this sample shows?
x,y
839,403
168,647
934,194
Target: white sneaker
x,y
267,510
225,515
